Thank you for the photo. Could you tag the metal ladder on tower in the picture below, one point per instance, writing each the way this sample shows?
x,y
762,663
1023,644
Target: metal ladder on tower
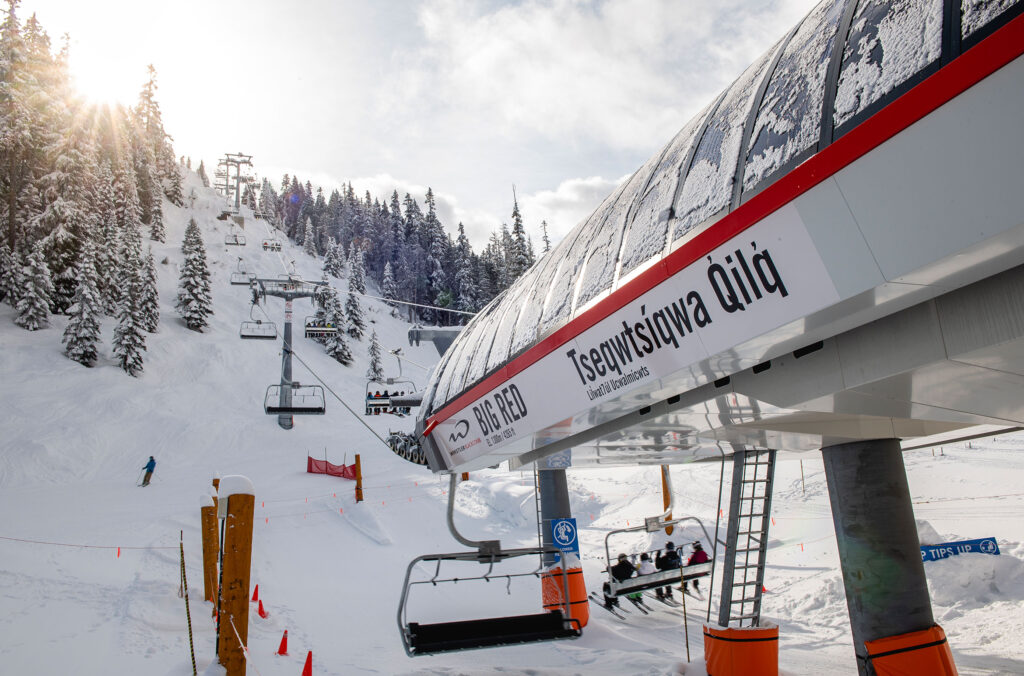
x,y
536,504
747,538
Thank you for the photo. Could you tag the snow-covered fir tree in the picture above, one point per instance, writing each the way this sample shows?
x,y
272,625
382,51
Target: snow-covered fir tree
x,y
356,271
375,371
8,275
34,296
129,342
334,262
194,301
544,237
201,172
174,190
309,239
518,254
336,343
82,333
156,213
355,325
150,301
389,287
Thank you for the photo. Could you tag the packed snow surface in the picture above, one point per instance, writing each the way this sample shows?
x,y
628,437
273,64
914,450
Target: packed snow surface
x,y
90,566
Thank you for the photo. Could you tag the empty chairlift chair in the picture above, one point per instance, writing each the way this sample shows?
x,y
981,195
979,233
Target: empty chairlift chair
x,y
258,329
295,399
234,239
440,637
241,275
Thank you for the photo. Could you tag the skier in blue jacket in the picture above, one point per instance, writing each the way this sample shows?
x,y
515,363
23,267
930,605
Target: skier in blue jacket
x,y
150,466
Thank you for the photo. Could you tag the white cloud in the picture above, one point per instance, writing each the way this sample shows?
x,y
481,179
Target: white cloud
x,y
565,206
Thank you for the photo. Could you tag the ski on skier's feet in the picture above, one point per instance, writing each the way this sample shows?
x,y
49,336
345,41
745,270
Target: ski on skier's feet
x,y
639,605
614,611
671,603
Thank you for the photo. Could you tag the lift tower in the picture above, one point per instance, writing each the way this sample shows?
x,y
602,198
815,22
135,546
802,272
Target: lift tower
x,y
236,160
290,398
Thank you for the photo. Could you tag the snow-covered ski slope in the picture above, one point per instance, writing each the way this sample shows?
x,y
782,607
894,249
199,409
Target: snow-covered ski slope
x,y
73,442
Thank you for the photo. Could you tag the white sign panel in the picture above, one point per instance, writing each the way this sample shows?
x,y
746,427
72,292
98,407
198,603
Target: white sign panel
x,y
769,275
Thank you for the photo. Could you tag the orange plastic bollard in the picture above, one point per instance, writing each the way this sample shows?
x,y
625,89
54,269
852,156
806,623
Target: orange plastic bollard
x,y
919,653
283,648
554,599
307,670
746,651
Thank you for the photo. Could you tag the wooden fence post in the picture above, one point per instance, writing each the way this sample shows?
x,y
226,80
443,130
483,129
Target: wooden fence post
x,y
211,545
359,480
237,502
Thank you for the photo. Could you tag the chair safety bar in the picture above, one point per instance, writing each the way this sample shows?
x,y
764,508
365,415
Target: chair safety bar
x,y
258,330
426,639
239,278
304,400
659,579
650,525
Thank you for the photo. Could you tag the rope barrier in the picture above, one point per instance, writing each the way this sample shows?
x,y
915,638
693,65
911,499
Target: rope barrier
x,y
65,544
245,651
188,612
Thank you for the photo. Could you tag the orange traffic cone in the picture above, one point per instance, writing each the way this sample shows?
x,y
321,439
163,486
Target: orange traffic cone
x,y
256,594
262,612
308,669
283,648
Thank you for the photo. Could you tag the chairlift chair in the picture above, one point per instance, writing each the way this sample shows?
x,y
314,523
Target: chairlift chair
x,y
660,578
258,329
381,403
234,239
271,245
441,637
316,328
297,400
241,275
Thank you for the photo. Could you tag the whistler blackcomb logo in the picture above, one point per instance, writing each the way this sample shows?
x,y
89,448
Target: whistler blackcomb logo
x,y
460,432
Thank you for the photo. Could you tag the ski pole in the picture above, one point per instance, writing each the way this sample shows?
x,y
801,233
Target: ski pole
x,y
138,481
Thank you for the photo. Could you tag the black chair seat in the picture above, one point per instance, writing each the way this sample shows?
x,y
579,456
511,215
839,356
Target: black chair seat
x,y
427,639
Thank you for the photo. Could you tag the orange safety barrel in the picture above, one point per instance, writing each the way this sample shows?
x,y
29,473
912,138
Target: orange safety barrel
x,y
554,599
743,651
919,653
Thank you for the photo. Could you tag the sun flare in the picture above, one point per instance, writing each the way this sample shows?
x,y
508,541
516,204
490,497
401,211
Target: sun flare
x,y
106,81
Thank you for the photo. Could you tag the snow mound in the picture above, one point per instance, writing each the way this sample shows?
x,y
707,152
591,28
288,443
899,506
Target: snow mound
x,y
971,581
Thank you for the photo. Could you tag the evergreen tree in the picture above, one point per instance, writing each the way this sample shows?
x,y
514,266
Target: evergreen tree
x,y
174,190
518,255
82,334
194,302
388,286
375,371
201,172
333,261
336,344
309,239
8,275
129,340
34,296
150,301
356,273
355,325
156,213
465,281
544,237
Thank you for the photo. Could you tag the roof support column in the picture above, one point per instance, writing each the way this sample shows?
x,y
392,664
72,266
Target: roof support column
x,y
554,504
879,551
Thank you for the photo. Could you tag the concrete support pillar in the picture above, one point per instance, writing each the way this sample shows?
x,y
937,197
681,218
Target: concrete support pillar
x,y
237,502
554,504
879,551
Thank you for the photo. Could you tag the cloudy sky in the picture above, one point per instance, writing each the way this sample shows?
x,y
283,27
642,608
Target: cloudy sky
x,y
560,98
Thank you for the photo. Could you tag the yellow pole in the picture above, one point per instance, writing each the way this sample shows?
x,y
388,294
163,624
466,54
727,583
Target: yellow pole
x,y
239,501
211,545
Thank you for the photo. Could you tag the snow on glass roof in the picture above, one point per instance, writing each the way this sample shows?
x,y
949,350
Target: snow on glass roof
x,y
844,61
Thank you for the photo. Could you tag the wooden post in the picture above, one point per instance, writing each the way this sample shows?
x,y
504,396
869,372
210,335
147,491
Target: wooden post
x,y
238,504
211,545
216,483
465,476
359,480
666,499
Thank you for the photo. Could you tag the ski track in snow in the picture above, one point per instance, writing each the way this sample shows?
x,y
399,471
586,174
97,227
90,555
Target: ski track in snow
x,y
330,570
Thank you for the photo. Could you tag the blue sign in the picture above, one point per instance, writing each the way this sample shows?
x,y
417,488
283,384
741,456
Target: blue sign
x,y
560,460
948,549
563,534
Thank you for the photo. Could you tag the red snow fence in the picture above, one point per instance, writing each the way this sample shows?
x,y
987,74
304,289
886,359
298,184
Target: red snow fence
x,y
323,467
744,651
919,653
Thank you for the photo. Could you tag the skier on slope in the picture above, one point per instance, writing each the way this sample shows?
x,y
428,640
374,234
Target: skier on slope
x,y
149,467
698,556
667,561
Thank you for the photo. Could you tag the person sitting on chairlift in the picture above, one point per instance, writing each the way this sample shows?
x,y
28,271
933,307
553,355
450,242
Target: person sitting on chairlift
x,y
623,570
667,561
698,556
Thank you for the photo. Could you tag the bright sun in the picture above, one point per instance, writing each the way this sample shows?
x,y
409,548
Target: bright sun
x,y
104,80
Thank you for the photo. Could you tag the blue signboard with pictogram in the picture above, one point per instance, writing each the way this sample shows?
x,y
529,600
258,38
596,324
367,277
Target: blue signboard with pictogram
x,y
563,534
948,549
